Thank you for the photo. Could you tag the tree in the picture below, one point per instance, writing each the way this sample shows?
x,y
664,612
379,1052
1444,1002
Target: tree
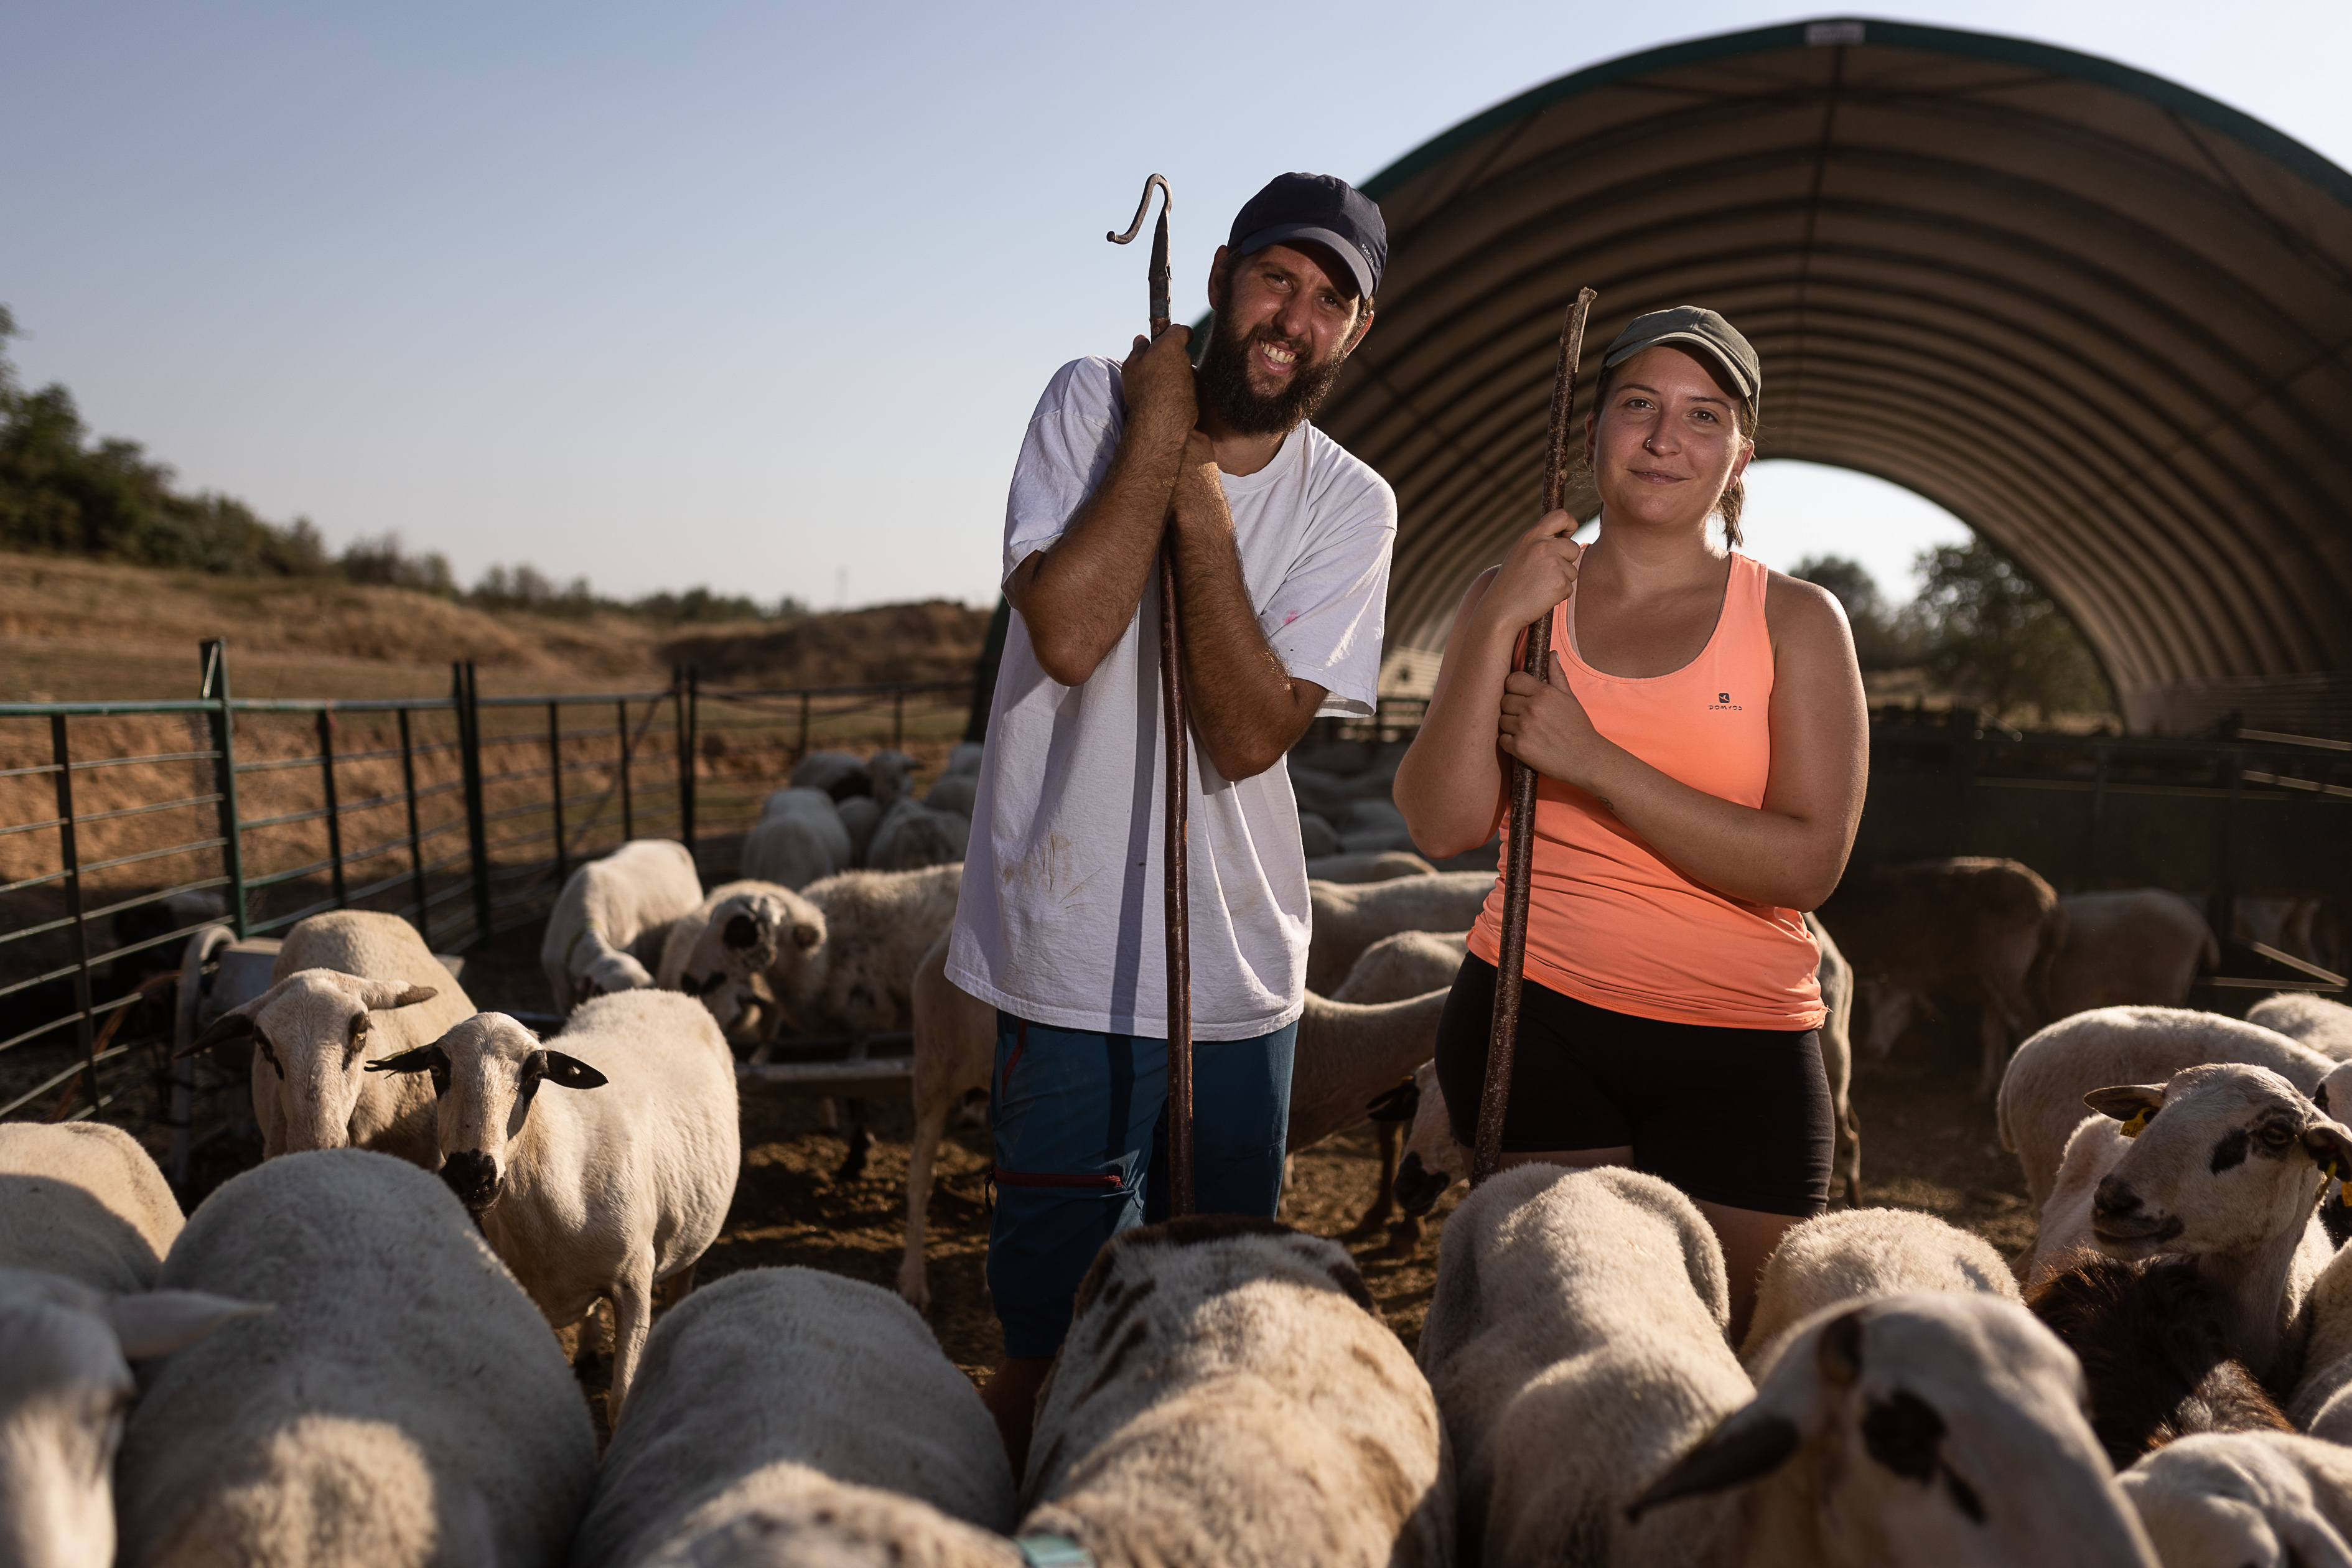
x,y
1880,639
1991,633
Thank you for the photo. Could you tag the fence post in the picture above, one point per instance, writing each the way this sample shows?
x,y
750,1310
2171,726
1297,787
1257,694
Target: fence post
x,y
69,860
685,682
621,740
2233,770
416,838
334,813
214,689
898,715
478,827
555,785
803,750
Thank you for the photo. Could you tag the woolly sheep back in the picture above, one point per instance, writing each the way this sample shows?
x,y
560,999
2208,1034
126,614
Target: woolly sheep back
x,y
85,1201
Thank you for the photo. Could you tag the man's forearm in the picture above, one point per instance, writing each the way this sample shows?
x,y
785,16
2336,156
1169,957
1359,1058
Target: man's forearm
x,y
1078,596
1245,706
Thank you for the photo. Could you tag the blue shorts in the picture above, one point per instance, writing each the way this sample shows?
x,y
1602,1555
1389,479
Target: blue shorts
x,y
1080,1121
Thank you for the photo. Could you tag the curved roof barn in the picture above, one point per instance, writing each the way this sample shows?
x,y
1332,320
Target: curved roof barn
x,y
2102,319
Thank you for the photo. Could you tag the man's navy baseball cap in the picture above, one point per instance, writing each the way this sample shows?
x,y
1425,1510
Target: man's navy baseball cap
x,y
1323,208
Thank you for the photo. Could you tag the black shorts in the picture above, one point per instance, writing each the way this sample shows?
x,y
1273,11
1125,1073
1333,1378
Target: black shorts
x,y
1736,1117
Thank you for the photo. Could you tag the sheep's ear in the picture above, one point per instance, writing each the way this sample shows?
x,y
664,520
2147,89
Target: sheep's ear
x,y
2129,1103
2312,1541
2330,1143
235,1024
1838,1352
568,1072
742,932
424,1059
1748,1446
807,934
1402,1103
157,1322
412,995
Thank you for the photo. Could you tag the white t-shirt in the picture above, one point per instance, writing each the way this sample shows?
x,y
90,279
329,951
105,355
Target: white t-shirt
x,y
1061,918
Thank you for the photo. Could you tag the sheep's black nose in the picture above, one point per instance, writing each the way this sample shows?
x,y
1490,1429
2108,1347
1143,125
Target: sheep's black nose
x,y
473,1177
2115,1199
1417,1186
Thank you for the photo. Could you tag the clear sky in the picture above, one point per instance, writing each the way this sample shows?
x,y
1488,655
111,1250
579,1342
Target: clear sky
x,y
760,296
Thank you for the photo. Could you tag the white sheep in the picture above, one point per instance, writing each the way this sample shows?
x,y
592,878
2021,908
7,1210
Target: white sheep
x,y
912,836
2322,1403
1834,975
1344,1057
65,1384
838,774
2323,1026
2040,1098
955,794
715,950
402,1405
839,957
1379,865
860,815
608,924
1929,1428
1409,964
1317,839
893,772
346,984
85,1201
592,1196
1350,917
1228,1394
808,1411
798,839
2138,945
1591,1302
2224,1162
2236,1499
1857,1255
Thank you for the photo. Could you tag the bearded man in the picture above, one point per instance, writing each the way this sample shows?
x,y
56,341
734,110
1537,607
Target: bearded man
x,y
1281,543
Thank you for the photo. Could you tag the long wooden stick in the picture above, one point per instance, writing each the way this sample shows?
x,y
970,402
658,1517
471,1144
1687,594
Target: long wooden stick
x,y
1176,874
1502,1043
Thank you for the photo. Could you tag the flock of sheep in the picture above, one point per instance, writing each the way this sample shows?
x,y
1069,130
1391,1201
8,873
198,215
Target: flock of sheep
x,y
345,1355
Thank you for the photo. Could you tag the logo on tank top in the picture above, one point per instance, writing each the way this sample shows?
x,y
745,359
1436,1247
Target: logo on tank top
x,y
1723,704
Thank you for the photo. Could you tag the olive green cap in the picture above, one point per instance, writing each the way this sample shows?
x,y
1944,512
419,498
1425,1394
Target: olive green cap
x,y
1693,326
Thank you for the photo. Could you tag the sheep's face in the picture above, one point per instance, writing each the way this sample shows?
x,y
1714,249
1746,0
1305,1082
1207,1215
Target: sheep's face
x,y
612,973
773,932
1431,1159
2225,1501
309,1034
65,1388
486,1072
1923,1428
2225,1158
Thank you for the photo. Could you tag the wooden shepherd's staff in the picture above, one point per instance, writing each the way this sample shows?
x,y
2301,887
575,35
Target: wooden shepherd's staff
x,y
1172,705
1503,1042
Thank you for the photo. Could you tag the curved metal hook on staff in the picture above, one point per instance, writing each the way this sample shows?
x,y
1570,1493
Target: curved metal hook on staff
x,y
1159,274
1175,871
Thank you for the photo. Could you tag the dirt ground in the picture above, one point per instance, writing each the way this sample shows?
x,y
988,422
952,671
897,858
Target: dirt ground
x,y
1928,1142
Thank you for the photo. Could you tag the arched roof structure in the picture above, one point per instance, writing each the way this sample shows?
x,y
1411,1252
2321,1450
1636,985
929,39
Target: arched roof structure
x,y
2101,318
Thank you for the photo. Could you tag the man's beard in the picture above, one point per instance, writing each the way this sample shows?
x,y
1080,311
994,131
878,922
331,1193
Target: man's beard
x,y
1224,389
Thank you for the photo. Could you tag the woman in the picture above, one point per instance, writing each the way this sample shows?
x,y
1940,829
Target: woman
x,y
1700,748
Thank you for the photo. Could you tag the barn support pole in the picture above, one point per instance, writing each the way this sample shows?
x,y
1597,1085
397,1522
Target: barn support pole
x,y
213,688
70,861
334,809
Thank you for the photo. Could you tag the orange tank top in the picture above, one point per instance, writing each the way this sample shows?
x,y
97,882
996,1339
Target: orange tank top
x,y
1611,923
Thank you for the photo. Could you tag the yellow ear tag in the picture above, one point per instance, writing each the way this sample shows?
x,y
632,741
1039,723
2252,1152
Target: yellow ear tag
x,y
2133,1128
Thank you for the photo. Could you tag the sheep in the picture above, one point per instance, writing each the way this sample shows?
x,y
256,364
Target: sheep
x,y
810,1410
1855,1255
2246,1498
1433,1159
84,1199
2224,1162
590,1197
1923,1428
1228,1394
1317,839
2308,929
911,837
839,957
1970,930
345,983
893,772
2322,1400
2315,1022
798,839
1345,1055
1349,918
2140,946
838,774
1591,1302
1383,866
2040,1098
965,758
403,1404
64,1383
609,905
1834,977
1409,964
955,794
2150,1345
860,815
